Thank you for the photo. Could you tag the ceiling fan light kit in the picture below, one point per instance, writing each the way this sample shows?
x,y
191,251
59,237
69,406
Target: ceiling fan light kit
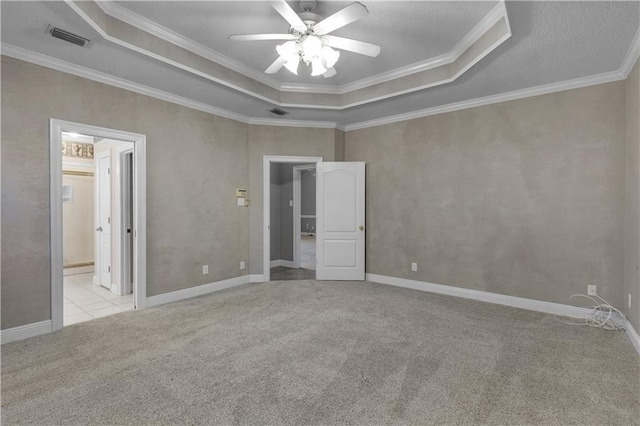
x,y
308,41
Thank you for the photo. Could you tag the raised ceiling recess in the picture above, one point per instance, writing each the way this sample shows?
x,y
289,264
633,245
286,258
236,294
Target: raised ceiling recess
x,y
128,29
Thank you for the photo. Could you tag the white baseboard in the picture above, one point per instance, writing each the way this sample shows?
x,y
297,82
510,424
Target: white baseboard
x,y
632,334
25,331
256,278
78,270
483,296
282,262
200,290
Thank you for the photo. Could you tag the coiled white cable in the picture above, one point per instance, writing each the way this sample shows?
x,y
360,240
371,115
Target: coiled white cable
x,y
602,315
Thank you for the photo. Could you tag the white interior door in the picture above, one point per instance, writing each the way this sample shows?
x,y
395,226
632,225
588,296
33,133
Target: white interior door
x,y
340,223
103,218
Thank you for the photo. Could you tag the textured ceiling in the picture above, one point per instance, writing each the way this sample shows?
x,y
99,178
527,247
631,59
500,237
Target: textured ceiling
x,y
408,32
551,42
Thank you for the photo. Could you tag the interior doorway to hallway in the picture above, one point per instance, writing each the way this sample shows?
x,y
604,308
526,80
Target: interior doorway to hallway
x,y
292,239
282,223
98,209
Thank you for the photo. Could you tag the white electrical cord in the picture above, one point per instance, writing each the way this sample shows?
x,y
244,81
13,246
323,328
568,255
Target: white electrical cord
x,y
602,315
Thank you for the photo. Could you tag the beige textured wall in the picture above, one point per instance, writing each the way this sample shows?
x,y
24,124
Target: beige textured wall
x,y
275,140
77,217
632,201
194,163
523,198
339,143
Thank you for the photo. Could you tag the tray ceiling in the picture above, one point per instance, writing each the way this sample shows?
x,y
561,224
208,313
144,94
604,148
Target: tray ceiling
x,y
553,45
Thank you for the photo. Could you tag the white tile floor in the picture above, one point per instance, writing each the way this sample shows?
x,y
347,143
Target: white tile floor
x,y
84,301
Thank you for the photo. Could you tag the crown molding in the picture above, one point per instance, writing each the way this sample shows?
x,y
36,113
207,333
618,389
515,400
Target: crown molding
x,y
632,55
123,14
90,74
454,77
95,16
497,13
493,99
70,68
98,28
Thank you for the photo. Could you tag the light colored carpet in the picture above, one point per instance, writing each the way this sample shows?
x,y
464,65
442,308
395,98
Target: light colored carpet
x,y
308,352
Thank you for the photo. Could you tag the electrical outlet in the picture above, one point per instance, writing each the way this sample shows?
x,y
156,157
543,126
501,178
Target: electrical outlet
x,y
629,299
243,265
591,290
205,269
414,266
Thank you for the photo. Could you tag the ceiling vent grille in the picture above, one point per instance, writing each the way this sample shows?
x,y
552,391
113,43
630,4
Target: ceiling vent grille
x,y
68,37
278,111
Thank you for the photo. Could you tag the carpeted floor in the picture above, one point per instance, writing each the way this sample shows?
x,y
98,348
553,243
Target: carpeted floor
x,y
308,352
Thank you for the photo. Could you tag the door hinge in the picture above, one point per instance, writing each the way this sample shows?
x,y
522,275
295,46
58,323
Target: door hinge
x,y
109,170
108,220
108,268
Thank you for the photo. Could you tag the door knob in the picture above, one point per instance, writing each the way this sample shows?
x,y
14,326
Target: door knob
x,y
361,227
99,229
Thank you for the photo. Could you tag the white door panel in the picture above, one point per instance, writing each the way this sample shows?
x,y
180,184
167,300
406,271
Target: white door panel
x,y
340,253
340,221
103,220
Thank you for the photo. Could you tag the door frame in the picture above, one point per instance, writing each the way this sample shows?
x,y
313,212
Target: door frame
x,y
297,210
56,127
99,187
266,204
125,252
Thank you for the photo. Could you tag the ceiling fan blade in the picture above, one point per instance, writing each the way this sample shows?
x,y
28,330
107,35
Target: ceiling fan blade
x,y
276,65
330,73
261,37
289,14
352,45
349,14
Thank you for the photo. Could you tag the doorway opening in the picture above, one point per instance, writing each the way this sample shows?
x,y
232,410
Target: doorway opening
x,y
97,222
304,221
283,226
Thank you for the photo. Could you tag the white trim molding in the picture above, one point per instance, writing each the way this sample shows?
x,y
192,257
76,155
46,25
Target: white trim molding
x,y
632,55
483,296
125,15
632,334
256,278
493,99
25,331
282,262
200,290
499,11
100,77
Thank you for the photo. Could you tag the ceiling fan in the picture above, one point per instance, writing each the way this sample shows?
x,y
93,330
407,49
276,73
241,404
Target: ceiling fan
x,y
309,41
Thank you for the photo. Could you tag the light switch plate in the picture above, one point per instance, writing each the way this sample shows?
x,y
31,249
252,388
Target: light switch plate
x,y
414,266
591,290
205,269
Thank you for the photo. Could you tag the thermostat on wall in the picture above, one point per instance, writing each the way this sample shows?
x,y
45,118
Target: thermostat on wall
x,y
241,196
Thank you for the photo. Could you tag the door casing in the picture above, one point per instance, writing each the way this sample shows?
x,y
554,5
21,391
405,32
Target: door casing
x,y
56,127
266,204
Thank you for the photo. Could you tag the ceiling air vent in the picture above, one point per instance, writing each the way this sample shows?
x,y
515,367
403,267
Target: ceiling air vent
x,y
278,111
67,36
